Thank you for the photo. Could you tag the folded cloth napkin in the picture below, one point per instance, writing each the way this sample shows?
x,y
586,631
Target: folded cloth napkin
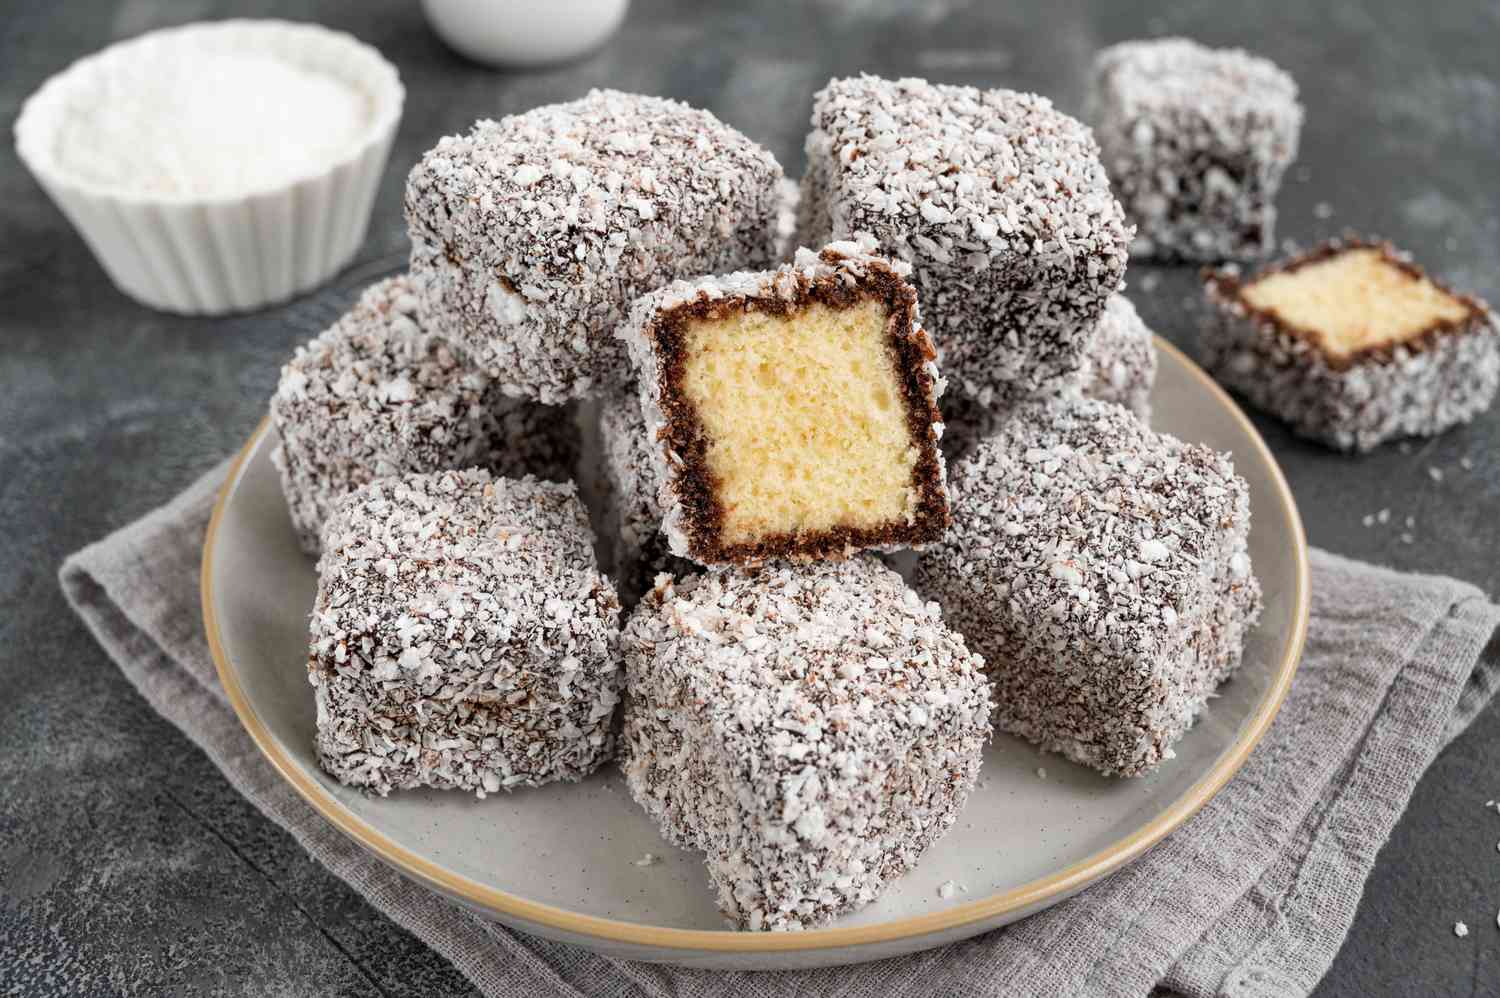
x,y
1253,896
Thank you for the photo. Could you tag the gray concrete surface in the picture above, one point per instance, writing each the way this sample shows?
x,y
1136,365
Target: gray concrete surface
x,y
127,866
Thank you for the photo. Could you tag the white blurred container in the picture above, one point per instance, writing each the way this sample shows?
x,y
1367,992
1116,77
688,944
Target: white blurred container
x,y
209,255
522,33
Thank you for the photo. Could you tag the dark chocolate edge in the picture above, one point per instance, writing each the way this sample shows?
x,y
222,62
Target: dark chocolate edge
x,y
1227,288
703,518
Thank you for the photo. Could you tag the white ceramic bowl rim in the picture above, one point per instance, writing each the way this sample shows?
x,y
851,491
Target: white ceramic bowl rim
x,y
303,44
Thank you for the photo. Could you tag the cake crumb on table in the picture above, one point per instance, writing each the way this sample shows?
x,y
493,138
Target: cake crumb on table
x,y
946,889
1460,929
649,859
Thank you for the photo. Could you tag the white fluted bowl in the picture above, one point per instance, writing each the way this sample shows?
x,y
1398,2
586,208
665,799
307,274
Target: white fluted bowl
x,y
208,255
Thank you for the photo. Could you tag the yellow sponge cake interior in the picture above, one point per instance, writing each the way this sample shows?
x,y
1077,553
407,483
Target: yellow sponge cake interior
x,y
1355,300
804,421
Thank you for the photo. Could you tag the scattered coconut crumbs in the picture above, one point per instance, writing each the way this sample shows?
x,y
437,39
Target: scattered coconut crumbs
x,y
650,859
1323,209
1435,473
1460,929
946,889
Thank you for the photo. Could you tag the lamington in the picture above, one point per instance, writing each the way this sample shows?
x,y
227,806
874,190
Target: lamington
x,y
462,636
996,199
1195,141
812,729
1102,571
1352,344
531,236
639,550
791,413
1118,366
377,394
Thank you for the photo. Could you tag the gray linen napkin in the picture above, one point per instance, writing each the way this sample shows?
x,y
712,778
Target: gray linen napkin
x,y
1252,897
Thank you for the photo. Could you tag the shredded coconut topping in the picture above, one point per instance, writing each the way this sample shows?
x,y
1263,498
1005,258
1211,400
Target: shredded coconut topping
x,y
1417,388
377,395
998,201
1102,571
1196,141
462,636
1119,366
531,235
812,729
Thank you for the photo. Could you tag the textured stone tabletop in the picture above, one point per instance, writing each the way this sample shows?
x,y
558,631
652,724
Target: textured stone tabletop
x,y
128,866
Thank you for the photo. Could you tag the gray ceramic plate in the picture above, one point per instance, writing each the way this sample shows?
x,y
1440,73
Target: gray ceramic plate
x,y
561,861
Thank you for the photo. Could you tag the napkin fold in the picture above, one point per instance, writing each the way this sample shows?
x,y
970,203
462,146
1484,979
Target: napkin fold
x,y
1251,897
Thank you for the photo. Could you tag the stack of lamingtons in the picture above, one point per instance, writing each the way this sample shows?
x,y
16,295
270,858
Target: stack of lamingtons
x,y
791,706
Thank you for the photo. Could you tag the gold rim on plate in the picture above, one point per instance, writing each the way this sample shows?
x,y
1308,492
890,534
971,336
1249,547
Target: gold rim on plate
x,y
1059,884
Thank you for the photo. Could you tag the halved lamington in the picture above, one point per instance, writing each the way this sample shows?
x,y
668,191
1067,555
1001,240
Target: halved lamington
x,y
1353,344
1119,366
531,236
812,729
996,199
791,412
1102,570
1196,141
462,636
377,394
639,548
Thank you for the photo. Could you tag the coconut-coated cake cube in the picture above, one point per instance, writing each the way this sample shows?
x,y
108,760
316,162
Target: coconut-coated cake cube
x,y
1196,141
1352,344
1103,572
791,412
532,235
378,394
462,636
812,729
1118,366
998,202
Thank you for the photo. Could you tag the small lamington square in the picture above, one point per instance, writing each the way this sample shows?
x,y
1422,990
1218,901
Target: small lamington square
x,y
531,236
462,636
1352,344
1102,571
1195,141
376,394
638,548
1118,366
996,199
791,412
813,729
